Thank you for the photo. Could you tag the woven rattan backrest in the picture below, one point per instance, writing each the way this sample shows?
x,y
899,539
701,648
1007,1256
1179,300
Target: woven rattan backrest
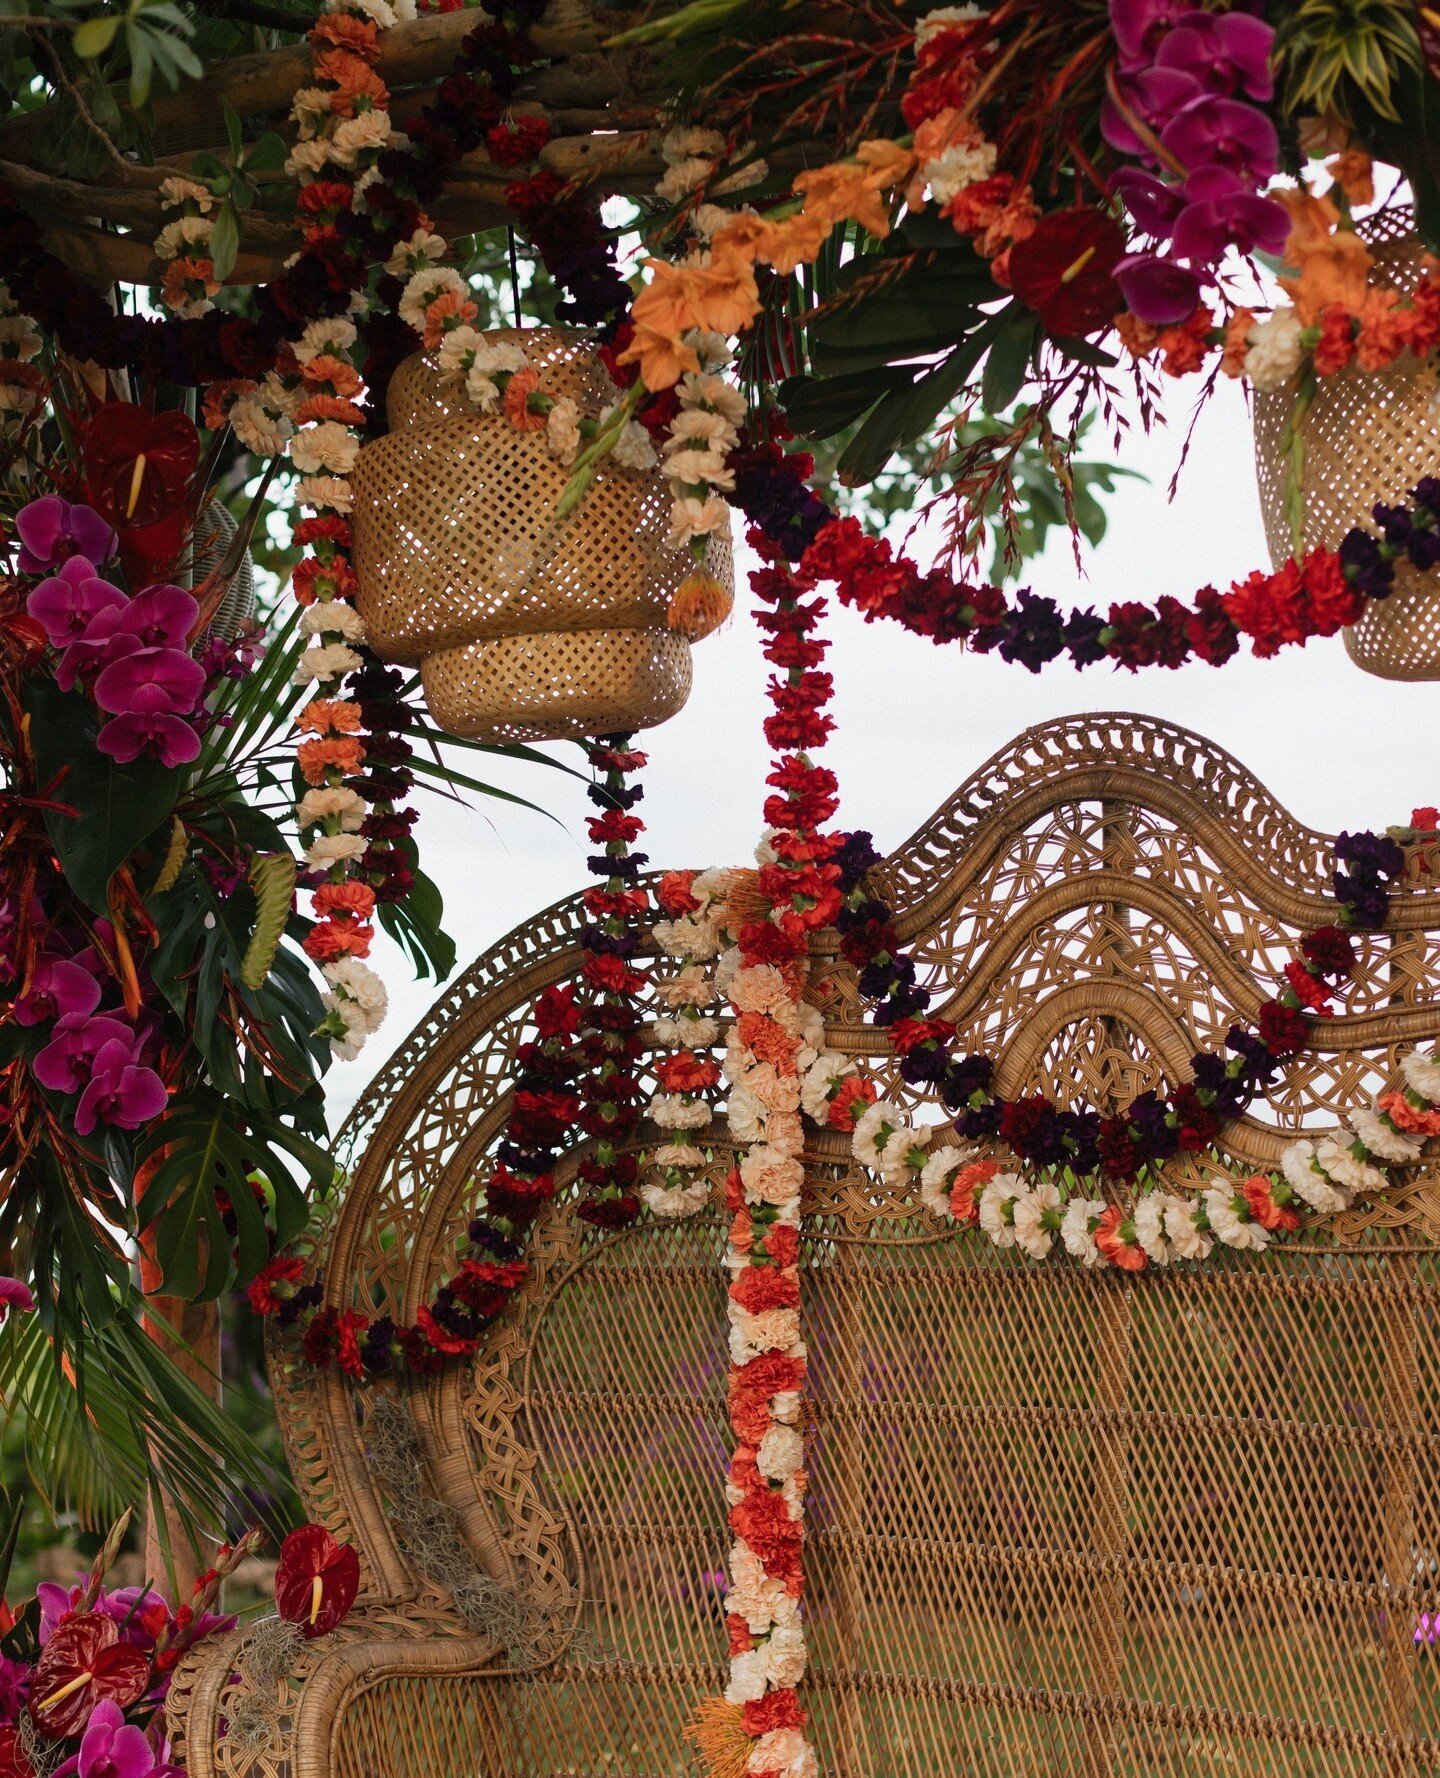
x,y
1062,1522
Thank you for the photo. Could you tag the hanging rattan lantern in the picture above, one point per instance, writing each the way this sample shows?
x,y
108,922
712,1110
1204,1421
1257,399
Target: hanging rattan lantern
x,y
524,627
1368,436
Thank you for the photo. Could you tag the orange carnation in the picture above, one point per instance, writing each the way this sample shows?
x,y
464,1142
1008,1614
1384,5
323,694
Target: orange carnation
x,y
343,754
1336,345
687,1073
1384,330
966,1187
344,30
518,391
331,716
339,373
332,939
218,398
328,407
449,305
345,898
770,1041
1406,1117
1237,343
1258,1192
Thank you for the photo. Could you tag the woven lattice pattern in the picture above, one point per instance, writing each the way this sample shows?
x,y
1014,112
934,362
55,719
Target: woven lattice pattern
x,y
558,683
1369,436
1062,1524
529,627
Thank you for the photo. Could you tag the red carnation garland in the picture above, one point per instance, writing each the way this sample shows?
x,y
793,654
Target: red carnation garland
x,y
579,1069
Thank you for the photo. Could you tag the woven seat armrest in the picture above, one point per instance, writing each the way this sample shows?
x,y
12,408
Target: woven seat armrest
x,y
333,1673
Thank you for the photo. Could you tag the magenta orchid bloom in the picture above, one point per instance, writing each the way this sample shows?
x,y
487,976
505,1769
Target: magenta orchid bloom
x,y
67,602
59,986
15,1296
1156,96
1152,203
1160,292
66,1062
112,1748
1141,26
170,738
120,1092
161,616
150,682
51,530
1226,52
1221,212
1218,132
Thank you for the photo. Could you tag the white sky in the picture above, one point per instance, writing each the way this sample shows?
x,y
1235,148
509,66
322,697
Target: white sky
x,y
1338,747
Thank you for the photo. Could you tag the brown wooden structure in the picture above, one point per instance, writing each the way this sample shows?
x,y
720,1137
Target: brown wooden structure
x,y
1062,1522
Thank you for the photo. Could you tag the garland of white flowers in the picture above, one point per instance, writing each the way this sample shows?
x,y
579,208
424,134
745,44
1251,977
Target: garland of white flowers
x,y
1321,1175
183,248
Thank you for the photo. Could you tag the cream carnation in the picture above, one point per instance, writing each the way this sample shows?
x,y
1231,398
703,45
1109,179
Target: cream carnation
x,y
256,428
1188,1241
358,135
1030,1210
881,1134
686,938
454,351
329,660
999,1194
1075,1229
408,256
708,389
1380,1136
331,336
785,1753
422,289
957,168
687,468
746,1116
772,1330
175,190
936,1175
785,1657
634,448
821,1079
1275,350
324,492
674,1203
1346,1168
1312,1185
1151,1220
1227,1225
672,1112
328,445
562,430
178,236
360,984
691,518
748,1676
1422,1073
332,617
334,848
781,1452
690,986
331,801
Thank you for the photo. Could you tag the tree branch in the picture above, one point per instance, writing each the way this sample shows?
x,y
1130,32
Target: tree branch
x,y
255,12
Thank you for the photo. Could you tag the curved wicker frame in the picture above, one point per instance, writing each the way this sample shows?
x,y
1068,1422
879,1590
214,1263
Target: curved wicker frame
x,y
1062,1522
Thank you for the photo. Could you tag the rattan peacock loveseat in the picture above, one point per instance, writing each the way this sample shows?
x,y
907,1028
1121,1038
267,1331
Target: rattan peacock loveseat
x,y
1062,1522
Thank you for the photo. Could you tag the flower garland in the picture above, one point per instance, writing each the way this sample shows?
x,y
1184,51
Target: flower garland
x,y
759,1724
577,1070
1321,1176
183,247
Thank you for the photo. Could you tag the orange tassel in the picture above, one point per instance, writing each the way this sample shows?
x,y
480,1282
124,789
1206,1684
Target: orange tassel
x,y
716,1733
699,605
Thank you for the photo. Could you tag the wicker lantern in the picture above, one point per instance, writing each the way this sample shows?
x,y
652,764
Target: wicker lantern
x,y
1368,436
524,627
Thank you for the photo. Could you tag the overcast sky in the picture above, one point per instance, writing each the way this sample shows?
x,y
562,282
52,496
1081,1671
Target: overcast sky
x,y
1338,747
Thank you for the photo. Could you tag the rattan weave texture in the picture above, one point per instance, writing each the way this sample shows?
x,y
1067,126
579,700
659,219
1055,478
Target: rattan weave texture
x,y
528,627
1063,1524
1369,436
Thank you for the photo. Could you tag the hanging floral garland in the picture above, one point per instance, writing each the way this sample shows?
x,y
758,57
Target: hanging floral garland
x,y
578,1072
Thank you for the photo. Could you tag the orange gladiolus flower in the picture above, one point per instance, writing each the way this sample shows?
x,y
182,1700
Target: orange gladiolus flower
x,y
1353,171
1331,264
662,357
343,30
796,241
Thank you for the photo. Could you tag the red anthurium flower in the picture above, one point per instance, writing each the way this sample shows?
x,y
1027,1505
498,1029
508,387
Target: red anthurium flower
x,y
1064,271
138,464
316,1580
84,1662
139,471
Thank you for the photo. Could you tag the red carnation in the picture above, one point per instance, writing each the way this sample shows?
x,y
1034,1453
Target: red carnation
x,y
1259,1194
776,1710
855,1093
1284,1030
1307,988
1330,950
284,1269
316,1580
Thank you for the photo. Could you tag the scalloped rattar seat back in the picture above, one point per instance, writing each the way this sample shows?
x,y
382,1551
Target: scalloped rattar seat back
x,y
1062,1523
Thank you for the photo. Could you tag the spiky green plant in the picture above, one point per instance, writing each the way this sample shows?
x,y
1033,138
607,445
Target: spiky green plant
x,y
1346,56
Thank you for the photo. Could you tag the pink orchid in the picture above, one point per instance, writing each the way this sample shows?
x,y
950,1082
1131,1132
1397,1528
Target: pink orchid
x,y
15,1296
1228,133
1226,52
1141,26
59,985
112,1748
65,1063
51,530
170,738
1159,291
1223,212
120,1091
67,602
150,682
